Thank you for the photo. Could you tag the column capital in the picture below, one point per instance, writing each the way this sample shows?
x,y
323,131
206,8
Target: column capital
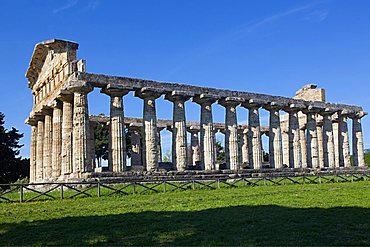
x,y
253,103
328,111
31,121
79,87
115,90
205,99
357,115
273,106
148,93
312,109
193,129
178,95
295,107
56,104
230,101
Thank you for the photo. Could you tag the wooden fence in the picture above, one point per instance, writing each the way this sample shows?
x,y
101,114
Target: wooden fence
x,y
55,190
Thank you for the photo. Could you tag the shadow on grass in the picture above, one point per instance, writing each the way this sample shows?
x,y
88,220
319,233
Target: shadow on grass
x,y
242,225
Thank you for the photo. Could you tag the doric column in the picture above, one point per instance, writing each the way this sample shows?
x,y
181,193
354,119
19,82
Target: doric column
x,y
40,150
319,126
57,139
336,139
67,140
179,134
207,138
135,146
344,156
33,148
194,144
254,134
243,146
295,155
92,142
150,134
231,132
275,138
81,127
311,139
357,139
285,139
159,143
302,136
328,141
48,143
117,137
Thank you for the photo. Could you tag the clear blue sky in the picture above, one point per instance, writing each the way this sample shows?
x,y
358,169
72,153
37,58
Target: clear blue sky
x,y
272,47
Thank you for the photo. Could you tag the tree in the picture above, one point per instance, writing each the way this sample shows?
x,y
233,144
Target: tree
x,y
12,167
220,156
101,136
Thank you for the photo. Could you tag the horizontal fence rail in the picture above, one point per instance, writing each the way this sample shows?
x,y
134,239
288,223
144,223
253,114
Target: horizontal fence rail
x,y
55,190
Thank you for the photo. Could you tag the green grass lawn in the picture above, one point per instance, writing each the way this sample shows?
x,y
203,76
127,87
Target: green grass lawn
x,y
324,214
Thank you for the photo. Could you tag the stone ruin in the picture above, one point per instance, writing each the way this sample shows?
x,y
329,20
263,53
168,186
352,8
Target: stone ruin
x,y
313,134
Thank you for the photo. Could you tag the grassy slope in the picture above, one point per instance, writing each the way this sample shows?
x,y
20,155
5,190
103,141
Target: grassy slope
x,y
326,214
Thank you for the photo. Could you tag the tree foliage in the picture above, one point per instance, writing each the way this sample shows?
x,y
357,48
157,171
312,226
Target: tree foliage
x,y
12,167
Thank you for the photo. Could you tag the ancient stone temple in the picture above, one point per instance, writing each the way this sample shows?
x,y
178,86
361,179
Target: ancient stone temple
x,y
304,131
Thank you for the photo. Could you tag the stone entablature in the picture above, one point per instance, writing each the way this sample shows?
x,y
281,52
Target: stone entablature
x,y
312,133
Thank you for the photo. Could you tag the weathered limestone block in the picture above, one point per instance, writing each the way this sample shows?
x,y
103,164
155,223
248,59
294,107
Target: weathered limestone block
x,y
48,143
357,140
231,133
275,138
150,134
117,137
57,140
207,138
67,140
328,141
81,128
254,134
344,156
312,141
179,134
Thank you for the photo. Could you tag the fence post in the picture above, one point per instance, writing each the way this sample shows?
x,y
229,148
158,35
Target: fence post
x,y
133,187
218,183
193,184
62,191
21,194
243,182
98,188
164,186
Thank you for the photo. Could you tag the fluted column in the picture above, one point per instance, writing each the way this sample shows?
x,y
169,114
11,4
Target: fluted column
x,y
67,140
33,149
150,134
179,134
275,138
194,144
311,140
231,133
48,143
295,155
254,134
344,156
243,147
92,147
135,146
117,137
40,150
207,138
319,127
357,139
57,140
336,139
328,141
81,127
285,140
302,135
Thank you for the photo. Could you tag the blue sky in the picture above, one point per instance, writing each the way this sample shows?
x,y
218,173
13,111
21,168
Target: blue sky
x,y
272,47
